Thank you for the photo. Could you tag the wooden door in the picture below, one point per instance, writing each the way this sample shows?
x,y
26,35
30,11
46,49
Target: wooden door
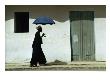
x,y
82,35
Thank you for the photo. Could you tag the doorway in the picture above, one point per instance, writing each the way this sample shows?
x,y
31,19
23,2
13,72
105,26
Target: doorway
x,y
82,36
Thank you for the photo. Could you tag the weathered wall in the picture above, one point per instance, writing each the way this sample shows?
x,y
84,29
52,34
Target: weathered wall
x,y
57,43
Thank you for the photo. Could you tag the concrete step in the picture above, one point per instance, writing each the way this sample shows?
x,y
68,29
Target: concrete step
x,y
75,66
87,62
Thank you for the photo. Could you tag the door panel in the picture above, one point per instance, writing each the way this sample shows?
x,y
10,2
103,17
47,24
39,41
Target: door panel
x,y
82,36
75,36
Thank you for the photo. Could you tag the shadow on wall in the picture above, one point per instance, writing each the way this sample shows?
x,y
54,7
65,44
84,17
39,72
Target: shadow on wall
x,y
59,13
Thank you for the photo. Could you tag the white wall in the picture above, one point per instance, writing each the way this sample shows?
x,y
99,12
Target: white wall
x,y
100,38
57,43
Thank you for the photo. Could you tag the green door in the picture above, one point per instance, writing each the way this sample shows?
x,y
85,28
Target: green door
x,y
82,36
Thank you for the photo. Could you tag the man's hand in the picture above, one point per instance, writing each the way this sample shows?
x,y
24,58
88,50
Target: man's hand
x,y
43,35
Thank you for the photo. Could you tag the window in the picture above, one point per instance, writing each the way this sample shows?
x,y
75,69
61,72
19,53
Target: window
x,y
21,22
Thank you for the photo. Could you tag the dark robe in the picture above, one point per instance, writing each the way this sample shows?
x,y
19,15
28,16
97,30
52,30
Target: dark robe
x,y
37,54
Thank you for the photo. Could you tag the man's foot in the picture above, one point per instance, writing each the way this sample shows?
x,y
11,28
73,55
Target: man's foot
x,y
33,66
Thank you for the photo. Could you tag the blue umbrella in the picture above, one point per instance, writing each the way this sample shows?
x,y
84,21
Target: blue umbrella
x,y
43,20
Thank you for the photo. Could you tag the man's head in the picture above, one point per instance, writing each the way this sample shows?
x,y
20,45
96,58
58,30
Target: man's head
x,y
39,28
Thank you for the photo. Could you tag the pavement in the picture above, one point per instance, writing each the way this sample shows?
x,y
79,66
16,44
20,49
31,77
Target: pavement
x,y
70,66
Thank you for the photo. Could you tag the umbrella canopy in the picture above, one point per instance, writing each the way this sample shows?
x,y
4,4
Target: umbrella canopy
x,y
43,20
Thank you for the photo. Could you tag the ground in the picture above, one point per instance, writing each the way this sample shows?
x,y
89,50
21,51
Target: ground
x,y
55,66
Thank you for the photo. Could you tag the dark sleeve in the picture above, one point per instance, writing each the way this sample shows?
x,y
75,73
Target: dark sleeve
x,y
37,39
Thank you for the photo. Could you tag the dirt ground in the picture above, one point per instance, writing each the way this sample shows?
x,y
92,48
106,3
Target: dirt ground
x,y
71,66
